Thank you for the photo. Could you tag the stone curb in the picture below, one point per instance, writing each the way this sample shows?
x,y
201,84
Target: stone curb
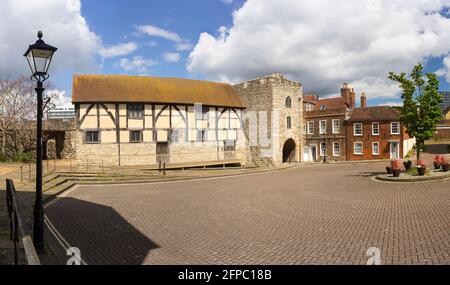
x,y
385,178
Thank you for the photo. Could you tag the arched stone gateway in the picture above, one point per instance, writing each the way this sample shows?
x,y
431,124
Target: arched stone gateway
x,y
289,151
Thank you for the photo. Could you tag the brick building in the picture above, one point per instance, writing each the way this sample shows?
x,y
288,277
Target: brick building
x,y
376,133
337,130
325,125
443,127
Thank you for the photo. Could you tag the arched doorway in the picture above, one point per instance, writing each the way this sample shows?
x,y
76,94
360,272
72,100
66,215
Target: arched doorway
x,y
289,151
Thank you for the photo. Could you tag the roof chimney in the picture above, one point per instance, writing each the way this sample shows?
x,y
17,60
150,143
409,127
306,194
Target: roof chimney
x,y
363,100
348,95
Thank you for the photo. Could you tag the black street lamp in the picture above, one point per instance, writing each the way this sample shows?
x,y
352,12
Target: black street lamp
x,y
39,56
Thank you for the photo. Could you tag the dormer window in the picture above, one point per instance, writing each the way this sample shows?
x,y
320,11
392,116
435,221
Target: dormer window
x,y
322,107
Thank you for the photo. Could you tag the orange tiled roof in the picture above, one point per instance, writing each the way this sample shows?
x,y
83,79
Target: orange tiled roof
x,y
139,89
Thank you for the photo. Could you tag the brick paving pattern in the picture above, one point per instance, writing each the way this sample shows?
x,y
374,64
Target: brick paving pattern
x,y
327,214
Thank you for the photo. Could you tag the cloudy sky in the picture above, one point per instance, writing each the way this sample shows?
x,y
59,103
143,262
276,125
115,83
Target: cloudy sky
x,y
320,43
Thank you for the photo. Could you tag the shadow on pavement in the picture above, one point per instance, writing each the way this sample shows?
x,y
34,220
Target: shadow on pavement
x,y
366,174
103,236
437,148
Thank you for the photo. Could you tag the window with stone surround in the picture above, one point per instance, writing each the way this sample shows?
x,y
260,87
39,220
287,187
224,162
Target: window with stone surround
x,y
288,102
289,122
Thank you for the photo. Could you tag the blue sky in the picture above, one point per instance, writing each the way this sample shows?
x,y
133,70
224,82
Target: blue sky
x,y
115,22
318,43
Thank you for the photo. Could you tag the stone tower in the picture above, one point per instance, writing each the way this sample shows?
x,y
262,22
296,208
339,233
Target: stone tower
x,y
273,119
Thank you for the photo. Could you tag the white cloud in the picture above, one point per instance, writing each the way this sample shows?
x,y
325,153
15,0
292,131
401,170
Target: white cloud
x,y
445,71
136,64
118,50
63,27
323,43
172,57
393,104
153,31
61,100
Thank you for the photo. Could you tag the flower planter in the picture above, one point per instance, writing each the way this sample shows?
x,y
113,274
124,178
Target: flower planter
x,y
437,165
422,170
396,172
389,170
408,165
445,167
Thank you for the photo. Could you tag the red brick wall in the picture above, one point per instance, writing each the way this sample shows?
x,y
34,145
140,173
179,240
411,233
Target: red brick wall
x,y
367,138
442,134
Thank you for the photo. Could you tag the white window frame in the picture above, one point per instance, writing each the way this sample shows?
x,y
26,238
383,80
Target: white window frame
x,y
373,148
392,128
362,148
321,151
334,149
311,123
354,129
321,130
338,126
373,128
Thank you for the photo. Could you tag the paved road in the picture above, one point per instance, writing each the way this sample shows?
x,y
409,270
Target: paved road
x,y
309,215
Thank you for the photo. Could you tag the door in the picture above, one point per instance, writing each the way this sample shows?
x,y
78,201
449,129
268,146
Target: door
x,y
306,153
314,153
162,153
229,149
395,153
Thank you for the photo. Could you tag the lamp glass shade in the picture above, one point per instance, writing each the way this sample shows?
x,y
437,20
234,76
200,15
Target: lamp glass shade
x,y
39,57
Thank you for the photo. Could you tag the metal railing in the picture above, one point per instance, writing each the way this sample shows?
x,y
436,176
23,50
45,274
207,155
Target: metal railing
x,y
17,234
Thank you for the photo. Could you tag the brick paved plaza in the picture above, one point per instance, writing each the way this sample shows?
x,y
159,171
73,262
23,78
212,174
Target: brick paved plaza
x,y
324,214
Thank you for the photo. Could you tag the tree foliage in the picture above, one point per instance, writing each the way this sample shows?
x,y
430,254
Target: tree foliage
x,y
421,104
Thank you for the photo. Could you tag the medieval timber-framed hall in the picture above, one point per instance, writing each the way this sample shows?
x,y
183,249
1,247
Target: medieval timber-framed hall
x,y
135,120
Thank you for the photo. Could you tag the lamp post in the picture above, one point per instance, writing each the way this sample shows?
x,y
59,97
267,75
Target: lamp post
x,y
39,56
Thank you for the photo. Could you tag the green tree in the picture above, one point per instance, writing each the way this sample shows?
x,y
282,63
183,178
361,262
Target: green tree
x,y
421,104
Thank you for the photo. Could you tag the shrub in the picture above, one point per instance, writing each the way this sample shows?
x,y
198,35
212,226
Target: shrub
x,y
413,171
3,157
22,157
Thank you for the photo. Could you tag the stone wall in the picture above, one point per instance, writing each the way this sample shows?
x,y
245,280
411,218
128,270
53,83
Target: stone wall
x,y
144,154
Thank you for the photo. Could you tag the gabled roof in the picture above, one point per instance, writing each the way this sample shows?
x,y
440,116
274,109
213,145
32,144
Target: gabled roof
x,y
139,89
380,113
